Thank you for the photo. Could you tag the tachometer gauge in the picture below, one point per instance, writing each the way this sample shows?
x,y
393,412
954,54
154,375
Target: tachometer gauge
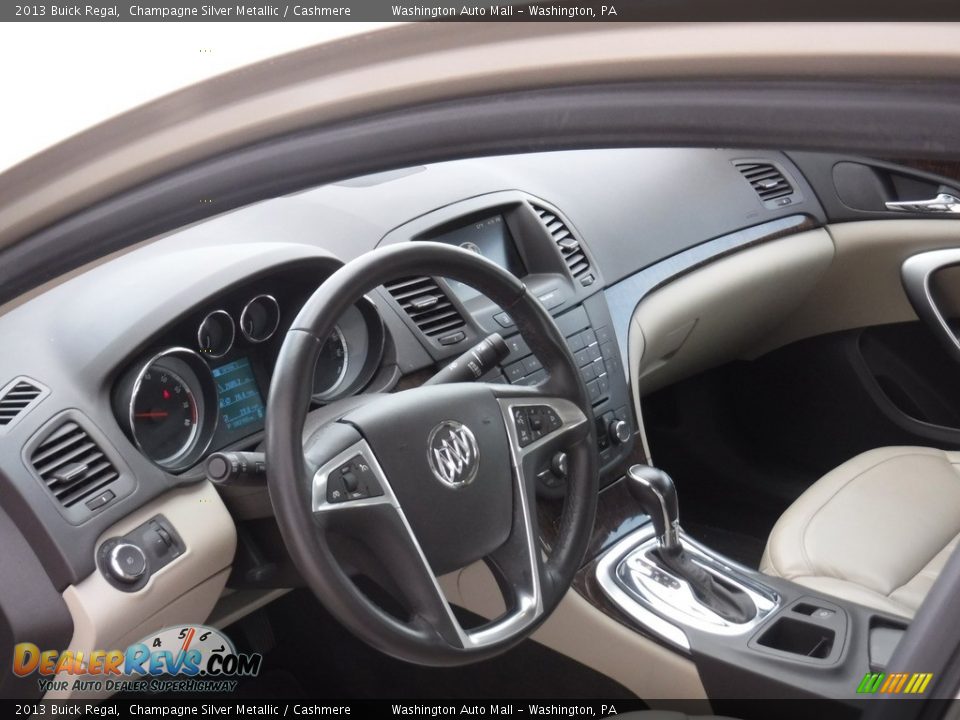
x,y
331,365
171,407
352,354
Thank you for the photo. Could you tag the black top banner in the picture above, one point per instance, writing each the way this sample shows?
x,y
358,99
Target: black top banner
x,y
434,11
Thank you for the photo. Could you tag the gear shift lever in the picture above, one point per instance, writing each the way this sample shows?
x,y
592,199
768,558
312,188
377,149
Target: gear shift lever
x,y
656,493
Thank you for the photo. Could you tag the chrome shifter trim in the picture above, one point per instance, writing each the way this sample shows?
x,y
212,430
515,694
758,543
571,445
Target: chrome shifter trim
x,y
665,604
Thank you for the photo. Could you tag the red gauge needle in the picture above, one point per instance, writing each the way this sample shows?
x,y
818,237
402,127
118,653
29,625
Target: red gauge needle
x,y
158,414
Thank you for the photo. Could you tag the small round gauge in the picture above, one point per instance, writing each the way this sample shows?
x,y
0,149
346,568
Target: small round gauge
x,y
170,403
331,365
216,333
260,318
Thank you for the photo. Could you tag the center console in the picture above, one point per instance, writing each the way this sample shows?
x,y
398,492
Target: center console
x,y
530,238
749,634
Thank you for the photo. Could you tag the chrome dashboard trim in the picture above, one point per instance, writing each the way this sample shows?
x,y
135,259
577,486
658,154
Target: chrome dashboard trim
x,y
276,324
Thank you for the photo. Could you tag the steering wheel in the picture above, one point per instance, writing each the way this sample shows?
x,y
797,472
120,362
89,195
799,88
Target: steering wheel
x,y
428,480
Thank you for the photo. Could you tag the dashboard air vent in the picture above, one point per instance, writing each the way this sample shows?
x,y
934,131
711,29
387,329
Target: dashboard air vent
x,y
768,182
569,246
15,398
426,304
71,464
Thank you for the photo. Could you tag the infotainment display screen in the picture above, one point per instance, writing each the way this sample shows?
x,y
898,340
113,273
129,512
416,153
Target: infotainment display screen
x,y
238,396
489,237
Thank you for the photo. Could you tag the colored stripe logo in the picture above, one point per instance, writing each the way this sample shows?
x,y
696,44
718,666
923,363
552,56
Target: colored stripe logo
x,y
895,683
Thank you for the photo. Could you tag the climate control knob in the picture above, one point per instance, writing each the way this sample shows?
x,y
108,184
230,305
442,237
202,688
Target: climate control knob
x,y
127,562
619,431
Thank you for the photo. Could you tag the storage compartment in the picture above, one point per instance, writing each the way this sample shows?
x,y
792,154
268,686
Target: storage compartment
x,y
884,638
799,638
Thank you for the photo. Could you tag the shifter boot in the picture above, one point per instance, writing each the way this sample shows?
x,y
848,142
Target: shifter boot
x,y
732,604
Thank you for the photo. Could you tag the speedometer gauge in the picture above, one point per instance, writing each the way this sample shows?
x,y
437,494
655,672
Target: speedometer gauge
x,y
331,365
170,404
165,414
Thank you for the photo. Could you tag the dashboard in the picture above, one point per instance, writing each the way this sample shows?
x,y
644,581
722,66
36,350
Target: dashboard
x,y
118,382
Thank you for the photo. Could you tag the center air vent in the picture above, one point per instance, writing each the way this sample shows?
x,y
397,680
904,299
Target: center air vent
x,y
766,180
71,464
573,254
16,398
426,304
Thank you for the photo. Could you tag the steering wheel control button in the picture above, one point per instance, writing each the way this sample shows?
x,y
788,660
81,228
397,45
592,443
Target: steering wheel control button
x,y
523,426
560,465
128,563
350,482
354,480
534,422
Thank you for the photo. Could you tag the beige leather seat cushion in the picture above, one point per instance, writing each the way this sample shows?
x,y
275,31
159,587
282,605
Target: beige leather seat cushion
x,y
877,530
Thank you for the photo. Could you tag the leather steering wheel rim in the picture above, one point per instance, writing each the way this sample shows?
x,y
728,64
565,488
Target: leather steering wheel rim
x,y
292,471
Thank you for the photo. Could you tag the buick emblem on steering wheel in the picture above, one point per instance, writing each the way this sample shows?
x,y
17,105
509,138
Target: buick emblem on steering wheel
x,y
453,453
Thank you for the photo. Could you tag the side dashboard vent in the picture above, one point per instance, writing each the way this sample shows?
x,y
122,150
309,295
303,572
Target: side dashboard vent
x,y
768,182
573,254
71,464
426,304
18,397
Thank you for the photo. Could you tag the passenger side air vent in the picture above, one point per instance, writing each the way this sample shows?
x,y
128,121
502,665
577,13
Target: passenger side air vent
x,y
16,398
573,254
768,182
426,304
71,464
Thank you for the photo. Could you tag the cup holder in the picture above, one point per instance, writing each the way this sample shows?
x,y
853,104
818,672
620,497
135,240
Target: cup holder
x,y
808,630
799,638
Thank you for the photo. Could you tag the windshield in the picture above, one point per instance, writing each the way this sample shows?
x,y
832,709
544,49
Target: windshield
x,y
79,79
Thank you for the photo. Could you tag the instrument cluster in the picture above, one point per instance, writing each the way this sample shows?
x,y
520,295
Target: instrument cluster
x,y
203,385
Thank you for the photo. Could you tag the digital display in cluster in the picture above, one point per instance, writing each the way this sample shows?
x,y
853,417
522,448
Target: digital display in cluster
x,y
238,395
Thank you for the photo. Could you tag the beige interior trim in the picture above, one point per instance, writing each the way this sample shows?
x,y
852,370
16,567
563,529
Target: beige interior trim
x,y
185,591
862,286
580,631
711,315
429,62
